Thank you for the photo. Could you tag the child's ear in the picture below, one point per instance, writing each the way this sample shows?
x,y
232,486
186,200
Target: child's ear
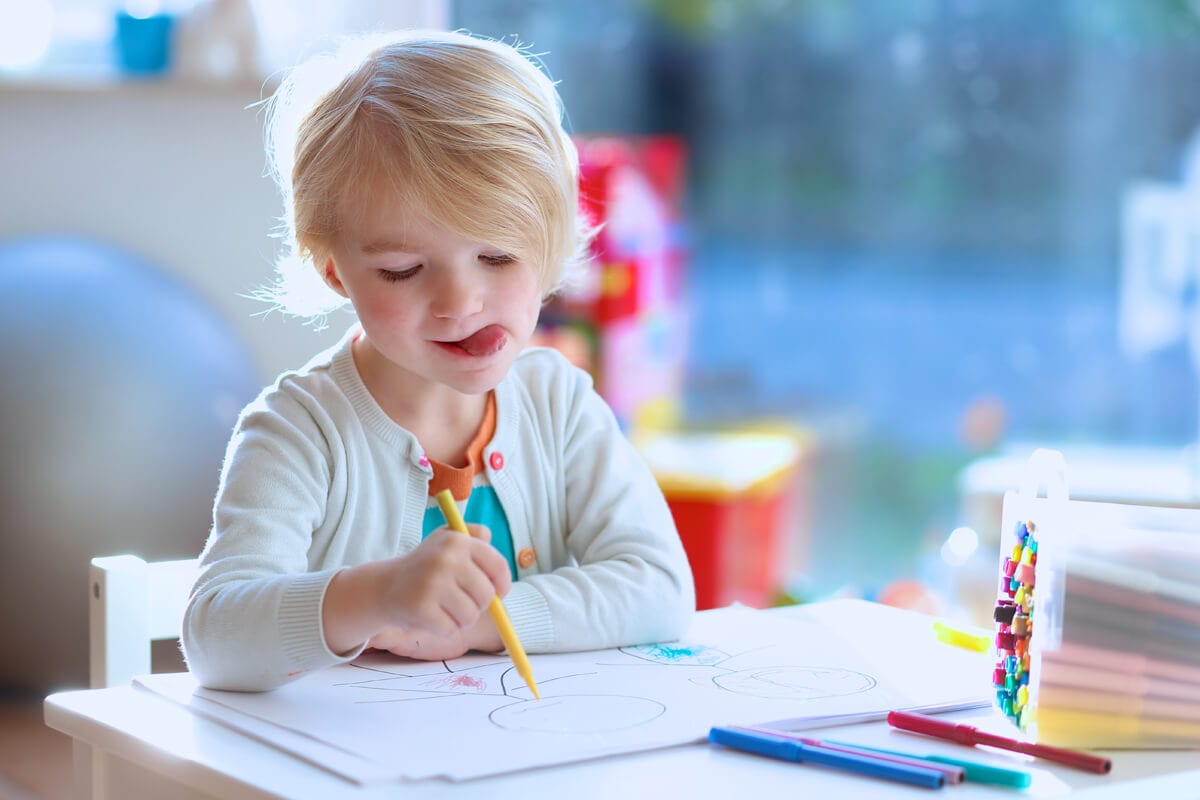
x,y
331,278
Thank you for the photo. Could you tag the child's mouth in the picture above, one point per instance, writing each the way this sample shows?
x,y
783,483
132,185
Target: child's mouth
x,y
483,342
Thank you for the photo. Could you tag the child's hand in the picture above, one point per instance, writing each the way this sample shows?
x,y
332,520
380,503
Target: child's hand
x,y
426,647
441,588
433,596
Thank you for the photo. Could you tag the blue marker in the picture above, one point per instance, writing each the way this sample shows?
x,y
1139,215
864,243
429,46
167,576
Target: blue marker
x,y
973,771
765,744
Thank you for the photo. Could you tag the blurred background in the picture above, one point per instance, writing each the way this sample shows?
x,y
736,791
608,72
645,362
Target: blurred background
x,y
866,256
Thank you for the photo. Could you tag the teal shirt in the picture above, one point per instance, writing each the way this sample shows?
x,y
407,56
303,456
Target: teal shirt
x,y
483,508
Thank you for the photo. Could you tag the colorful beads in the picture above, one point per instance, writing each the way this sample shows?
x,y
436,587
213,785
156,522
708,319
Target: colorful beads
x,y
1014,625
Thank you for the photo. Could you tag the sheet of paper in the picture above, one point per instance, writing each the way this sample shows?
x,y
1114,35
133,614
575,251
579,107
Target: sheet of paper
x,y
383,717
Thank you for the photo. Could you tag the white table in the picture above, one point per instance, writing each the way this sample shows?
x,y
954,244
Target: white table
x,y
129,743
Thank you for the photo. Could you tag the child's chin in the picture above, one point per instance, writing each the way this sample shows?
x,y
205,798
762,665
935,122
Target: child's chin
x,y
481,380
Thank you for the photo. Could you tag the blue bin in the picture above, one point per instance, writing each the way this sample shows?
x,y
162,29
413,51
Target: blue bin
x,y
143,44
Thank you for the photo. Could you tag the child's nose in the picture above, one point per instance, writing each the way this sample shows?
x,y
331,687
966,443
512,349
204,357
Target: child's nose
x,y
458,295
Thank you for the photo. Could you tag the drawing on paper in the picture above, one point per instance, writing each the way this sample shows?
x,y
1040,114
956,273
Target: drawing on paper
x,y
570,704
386,717
677,653
577,713
795,683
785,683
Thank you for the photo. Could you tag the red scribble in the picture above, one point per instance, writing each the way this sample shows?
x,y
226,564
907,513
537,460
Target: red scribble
x,y
460,682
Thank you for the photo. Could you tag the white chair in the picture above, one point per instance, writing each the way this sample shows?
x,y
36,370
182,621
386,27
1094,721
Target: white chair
x,y
132,604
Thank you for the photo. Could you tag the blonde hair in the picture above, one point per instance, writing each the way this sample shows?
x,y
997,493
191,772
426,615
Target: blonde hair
x,y
468,130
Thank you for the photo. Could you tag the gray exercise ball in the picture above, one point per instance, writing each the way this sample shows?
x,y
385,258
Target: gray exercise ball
x,y
119,388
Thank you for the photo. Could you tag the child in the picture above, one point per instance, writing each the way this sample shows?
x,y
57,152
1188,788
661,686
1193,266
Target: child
x,y
428,181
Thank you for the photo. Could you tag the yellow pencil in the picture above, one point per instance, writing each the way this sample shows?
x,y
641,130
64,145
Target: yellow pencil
x,y
454,519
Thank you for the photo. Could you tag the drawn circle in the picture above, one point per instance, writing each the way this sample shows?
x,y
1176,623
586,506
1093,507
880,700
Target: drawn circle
x,y
795,683
577,713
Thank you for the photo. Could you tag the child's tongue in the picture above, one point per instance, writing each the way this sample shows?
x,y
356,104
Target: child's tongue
x,y
484,342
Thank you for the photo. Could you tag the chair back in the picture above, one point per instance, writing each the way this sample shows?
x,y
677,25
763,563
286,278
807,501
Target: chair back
x,y
133,603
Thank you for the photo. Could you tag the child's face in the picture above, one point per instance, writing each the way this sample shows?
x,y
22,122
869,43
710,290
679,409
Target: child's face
x,y
442,308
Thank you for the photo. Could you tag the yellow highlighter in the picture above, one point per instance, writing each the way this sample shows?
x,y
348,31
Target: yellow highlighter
x,y
454,519
962,637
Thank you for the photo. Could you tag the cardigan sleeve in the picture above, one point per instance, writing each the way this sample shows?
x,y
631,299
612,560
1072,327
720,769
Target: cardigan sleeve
x,y
253,620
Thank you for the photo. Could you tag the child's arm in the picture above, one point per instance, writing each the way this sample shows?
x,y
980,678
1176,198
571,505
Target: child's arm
x,y
303,495
426,604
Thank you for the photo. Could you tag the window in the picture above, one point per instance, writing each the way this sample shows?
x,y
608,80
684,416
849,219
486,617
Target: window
x,y
905,227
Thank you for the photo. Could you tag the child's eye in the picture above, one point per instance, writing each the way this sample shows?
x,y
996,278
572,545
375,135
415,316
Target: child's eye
x,y
497,259
396,275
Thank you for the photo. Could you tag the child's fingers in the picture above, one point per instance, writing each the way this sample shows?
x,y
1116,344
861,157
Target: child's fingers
x,y
488,559
461,609
498,573
454,578
481,532
485,580
465,598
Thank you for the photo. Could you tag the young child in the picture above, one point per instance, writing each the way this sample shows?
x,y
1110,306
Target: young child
x,y
428,181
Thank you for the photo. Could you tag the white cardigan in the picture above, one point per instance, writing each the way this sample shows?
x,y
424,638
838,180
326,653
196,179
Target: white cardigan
x,y
317,477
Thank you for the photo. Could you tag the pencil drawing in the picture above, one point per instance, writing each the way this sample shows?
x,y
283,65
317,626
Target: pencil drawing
x,y
569,707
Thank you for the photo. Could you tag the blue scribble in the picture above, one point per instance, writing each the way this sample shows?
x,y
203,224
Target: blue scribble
x,y
677,653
